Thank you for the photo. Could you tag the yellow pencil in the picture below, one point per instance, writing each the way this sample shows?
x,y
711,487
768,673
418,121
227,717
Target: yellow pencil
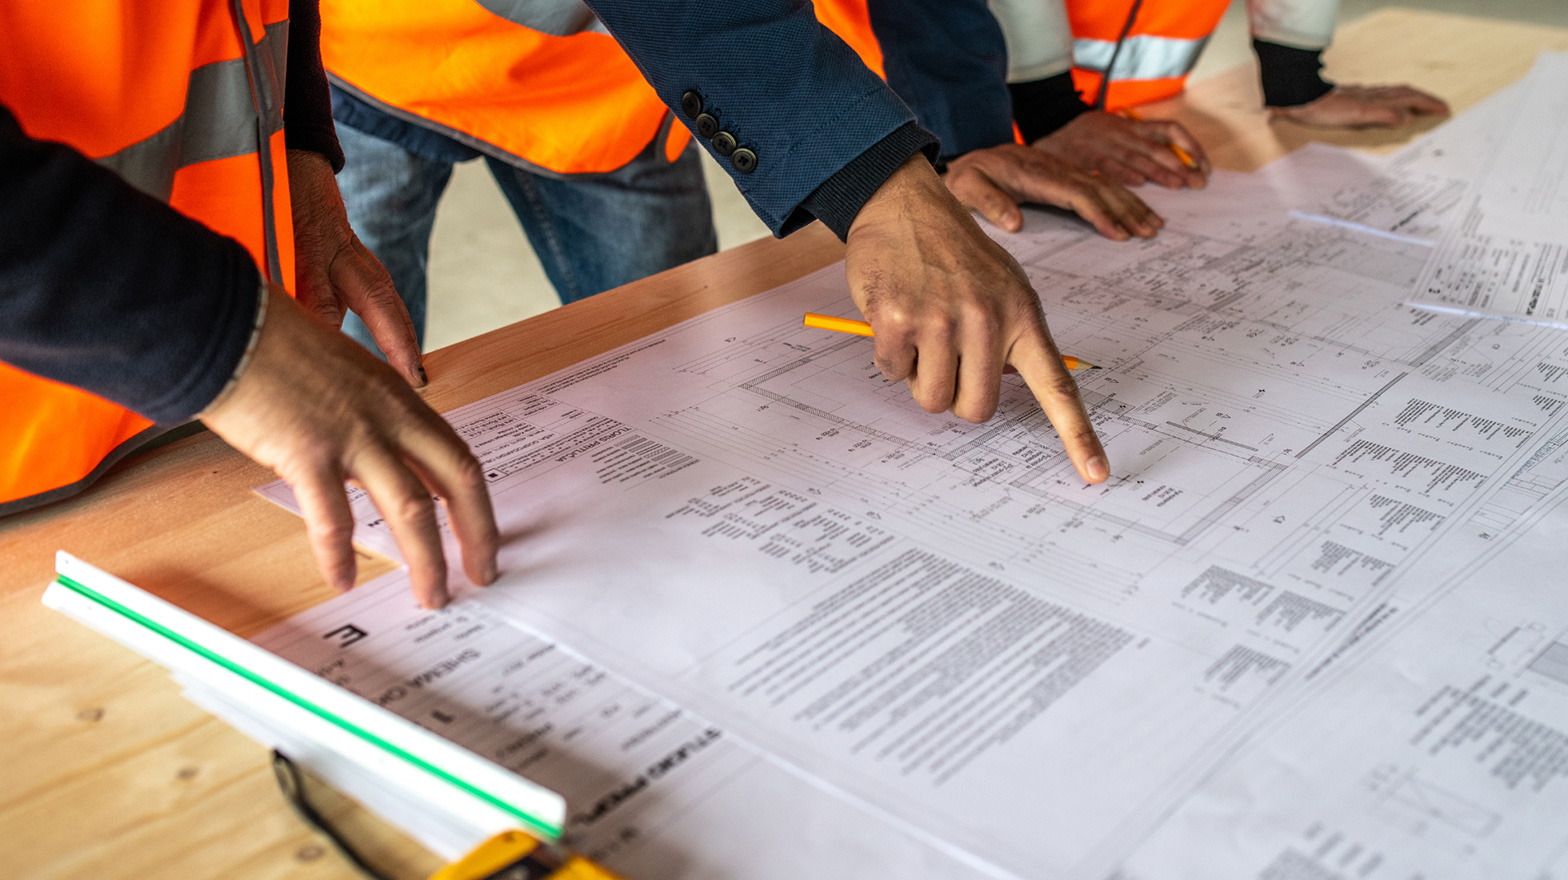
x,y
861,328
1181,154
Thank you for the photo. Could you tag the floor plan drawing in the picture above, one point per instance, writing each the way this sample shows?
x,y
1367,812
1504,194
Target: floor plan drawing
x,y
938,620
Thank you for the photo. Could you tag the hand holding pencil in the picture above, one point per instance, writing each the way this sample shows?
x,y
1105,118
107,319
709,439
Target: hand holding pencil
x,y
1175,148
1130,149
951,308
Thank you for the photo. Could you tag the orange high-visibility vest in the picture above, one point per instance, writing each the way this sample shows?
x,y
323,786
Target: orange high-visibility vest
x,y
176,102
851,21
560,98
538,87
1158,51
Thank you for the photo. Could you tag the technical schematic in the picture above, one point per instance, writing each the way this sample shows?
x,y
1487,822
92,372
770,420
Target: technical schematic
x,y
742,515
1504,253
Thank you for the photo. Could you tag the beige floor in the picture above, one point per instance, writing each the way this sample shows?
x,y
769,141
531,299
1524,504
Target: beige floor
x,y
483,274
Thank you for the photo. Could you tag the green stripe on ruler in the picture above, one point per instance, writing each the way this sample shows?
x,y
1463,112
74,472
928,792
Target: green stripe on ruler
x,y
324,714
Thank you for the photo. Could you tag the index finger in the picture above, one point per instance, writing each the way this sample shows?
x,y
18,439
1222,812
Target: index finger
x,y
328,521
1176,133
1148,141
1038,361
367,290
445,464
1418,101
406,506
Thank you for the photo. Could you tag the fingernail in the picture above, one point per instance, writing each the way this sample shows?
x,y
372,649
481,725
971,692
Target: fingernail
x,y
1098,469
343,578
490,573
439,599
419,370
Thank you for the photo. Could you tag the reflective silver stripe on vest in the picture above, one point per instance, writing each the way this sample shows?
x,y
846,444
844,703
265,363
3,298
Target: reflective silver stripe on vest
x,y
219,120
557,18
1142,57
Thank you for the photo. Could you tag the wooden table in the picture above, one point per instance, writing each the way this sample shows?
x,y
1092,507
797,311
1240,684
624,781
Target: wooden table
x,y
107,772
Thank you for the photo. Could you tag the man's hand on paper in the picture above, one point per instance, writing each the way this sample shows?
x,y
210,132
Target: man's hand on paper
x,y
335,274
994,181
1364,107
1129,151
950,307
318,409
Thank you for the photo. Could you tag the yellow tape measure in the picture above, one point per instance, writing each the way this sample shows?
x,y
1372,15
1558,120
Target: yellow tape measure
x,y
515,855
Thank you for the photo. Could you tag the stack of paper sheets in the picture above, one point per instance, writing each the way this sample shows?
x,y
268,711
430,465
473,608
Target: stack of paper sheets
x,y
1505,253
765,618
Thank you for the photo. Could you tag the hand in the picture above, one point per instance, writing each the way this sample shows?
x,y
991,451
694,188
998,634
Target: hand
x,y
1129,151
1364,107
994,180
950,307
334,273
318,409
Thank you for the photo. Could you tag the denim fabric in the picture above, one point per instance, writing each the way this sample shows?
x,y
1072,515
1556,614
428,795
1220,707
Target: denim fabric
x,y
591,233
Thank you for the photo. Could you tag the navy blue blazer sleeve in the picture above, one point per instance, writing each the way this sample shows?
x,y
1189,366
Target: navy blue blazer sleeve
x,y
947,59
783,86
110,290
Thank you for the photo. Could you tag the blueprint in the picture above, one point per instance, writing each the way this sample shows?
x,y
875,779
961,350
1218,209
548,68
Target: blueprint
x,y
1387,197
1525,185
653,790
1505,252
1416,194
1441,754
939,621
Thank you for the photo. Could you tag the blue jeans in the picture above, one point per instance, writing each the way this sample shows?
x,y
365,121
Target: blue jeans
x,y
591,233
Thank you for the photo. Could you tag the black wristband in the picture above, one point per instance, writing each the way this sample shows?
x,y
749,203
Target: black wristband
x,y
839,199
1290,76
1042,106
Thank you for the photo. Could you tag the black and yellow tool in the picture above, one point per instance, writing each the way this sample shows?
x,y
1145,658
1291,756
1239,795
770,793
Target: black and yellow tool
x,y
516,855
510,855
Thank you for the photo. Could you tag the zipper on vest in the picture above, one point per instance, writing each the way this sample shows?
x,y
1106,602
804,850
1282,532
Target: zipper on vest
x,y
1105,81
261,101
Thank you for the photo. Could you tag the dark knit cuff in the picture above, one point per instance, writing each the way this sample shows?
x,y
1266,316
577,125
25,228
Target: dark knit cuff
x,y
1042,106
1291,76
839,199
321,139
307,105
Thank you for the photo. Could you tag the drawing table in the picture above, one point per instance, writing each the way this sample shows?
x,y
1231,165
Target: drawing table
x,y
110,773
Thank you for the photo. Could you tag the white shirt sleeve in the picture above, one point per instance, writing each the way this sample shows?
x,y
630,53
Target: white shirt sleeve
x,y
1303,24
1039,38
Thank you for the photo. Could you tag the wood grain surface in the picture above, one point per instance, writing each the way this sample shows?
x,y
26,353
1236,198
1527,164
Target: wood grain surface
x,y
107,772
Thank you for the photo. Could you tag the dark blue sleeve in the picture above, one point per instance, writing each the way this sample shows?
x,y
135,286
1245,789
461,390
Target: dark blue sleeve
x,y
948,60
110,290
784,87
307,105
